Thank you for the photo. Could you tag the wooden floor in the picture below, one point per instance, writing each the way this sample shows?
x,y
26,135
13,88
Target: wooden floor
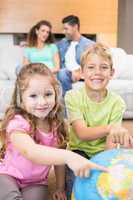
x,y
129,125
126,123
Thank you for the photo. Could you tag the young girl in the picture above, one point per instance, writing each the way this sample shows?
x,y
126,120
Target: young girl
x,y
34,130
41,47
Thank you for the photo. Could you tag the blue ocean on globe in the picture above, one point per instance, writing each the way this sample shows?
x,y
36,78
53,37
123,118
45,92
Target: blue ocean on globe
x,y
117,184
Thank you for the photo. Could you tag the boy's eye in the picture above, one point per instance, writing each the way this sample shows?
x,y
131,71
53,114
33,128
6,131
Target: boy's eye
x,y
33,95
104,66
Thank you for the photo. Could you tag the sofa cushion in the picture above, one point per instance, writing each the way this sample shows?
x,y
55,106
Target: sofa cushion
x,y
125,89
10,58
127,70
119,60
6,91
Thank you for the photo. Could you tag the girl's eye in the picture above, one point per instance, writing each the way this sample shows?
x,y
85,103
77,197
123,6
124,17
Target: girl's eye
x,y
33,95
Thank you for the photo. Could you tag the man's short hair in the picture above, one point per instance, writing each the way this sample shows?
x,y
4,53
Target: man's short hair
x,y
71,20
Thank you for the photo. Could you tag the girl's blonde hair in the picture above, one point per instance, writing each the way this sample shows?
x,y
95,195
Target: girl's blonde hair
x,y
55,117
98,49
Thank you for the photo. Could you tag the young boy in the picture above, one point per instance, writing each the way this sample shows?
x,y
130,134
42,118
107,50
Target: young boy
x,y
93,111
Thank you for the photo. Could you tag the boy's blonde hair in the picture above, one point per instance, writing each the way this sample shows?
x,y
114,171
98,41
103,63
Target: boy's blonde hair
x,y
98,49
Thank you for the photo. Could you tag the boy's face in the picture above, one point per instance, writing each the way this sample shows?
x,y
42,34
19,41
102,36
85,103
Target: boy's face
x,y
97,72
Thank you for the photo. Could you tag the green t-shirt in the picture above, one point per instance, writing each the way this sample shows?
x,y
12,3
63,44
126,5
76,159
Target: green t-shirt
x,y
44,55
80,106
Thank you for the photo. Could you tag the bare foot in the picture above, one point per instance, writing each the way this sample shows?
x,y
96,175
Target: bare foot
x,y
76,75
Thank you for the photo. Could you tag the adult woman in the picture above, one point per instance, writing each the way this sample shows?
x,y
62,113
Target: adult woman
x,y
41,47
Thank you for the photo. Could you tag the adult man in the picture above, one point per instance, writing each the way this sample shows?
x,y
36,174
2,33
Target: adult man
x,y
70,49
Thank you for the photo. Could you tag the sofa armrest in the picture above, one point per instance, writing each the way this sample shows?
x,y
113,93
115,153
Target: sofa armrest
x,y
6,91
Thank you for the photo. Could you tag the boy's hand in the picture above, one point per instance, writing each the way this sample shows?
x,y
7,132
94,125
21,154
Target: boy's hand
x,y
121,135
59,194
109,143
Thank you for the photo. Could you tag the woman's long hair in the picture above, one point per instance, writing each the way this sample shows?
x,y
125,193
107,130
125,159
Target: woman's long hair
x,y
32,36
55,118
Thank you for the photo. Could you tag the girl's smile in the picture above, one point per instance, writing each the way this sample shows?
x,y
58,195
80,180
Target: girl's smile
x,y
39,97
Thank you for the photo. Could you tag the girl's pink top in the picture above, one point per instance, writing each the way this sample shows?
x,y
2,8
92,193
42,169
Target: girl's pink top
x,y
15,164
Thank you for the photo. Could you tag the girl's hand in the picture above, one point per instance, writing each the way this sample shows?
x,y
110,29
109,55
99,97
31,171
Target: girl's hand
x,y
81,166
59,194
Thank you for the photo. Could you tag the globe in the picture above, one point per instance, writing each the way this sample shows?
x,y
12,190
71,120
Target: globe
x,y
117,184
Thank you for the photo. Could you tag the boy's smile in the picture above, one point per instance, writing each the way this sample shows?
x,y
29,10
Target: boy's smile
x,y
97,72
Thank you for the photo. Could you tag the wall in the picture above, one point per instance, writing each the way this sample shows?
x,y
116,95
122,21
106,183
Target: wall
x,y
125,28
100,18
6,40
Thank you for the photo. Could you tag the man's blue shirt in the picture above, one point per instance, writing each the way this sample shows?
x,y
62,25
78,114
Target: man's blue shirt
x,y
64,44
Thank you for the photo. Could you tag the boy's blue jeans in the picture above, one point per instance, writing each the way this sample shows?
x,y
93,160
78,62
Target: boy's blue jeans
x,y
70,177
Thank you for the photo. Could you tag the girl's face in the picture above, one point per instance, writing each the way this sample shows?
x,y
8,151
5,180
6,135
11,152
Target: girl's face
x,y
97,72
39,97
42,33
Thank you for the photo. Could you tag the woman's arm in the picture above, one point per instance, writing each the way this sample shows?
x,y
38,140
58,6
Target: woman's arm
x,y
56,63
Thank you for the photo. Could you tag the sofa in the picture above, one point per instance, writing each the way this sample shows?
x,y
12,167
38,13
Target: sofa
x,y
122,83
10,58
